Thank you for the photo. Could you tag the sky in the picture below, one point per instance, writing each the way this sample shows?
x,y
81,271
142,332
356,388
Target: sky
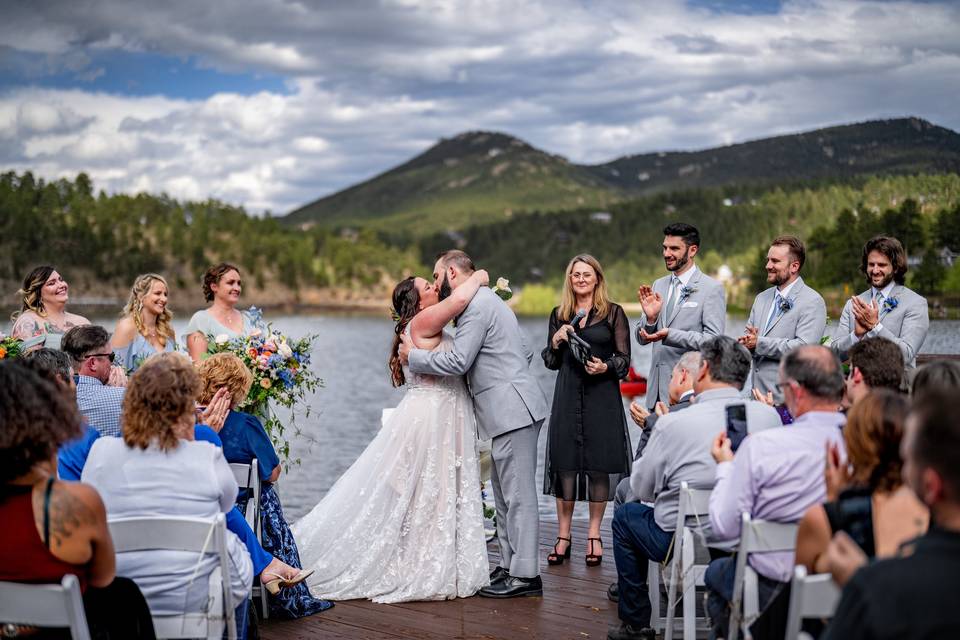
x,y
270,104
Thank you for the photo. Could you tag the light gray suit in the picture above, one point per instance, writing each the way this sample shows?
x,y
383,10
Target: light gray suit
x,y
906,324
489,349
803,323
700,315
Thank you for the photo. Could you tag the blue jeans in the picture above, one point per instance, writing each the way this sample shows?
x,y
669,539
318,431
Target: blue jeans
x,y
719,580
636,540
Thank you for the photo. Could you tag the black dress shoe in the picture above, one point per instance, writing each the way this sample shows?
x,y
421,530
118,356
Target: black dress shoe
x,y
513,587
498,574
613,592
624,631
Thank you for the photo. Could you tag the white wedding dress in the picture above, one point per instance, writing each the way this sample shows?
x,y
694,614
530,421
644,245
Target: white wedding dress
x,y
405,521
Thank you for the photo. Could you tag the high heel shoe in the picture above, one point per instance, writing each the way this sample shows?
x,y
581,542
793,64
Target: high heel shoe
x,y
279,582
556,557
592,559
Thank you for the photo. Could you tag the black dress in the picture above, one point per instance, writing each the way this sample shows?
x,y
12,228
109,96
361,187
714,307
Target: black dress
x,y
588,446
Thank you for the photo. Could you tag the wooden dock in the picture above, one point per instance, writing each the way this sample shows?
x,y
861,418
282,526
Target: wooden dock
x,y
574,605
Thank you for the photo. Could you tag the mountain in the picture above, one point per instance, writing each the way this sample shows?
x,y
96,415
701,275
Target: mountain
x,y
472,178
485,177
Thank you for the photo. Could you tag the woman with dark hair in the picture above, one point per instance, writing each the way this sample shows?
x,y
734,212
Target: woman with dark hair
x,y
405,521
144,328
221,287
244,439
52,528
588,446
937,377
866,495
43,317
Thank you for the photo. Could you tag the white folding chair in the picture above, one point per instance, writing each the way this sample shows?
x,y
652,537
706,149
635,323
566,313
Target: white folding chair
x,y
248,477
813,596
756,536
185,534
685,575
45,605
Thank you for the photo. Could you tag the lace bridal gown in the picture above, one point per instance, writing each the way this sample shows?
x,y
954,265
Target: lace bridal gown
x,y
405,521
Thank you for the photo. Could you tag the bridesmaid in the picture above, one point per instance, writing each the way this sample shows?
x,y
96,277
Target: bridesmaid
x,y
144,328
43,317
221,286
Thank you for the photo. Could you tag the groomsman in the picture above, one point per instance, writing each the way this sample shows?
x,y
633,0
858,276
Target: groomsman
x,y
887,309
785,316
681,309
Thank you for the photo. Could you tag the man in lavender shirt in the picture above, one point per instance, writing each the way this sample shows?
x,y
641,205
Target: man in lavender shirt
x,y
776,474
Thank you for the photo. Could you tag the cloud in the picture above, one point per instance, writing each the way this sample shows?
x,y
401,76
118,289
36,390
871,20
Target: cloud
x,y
372,83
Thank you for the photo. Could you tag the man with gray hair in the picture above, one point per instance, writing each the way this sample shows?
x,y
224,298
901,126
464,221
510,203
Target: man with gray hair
x,y
678,451
775,475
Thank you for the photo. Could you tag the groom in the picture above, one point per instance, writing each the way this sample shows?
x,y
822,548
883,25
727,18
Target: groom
x,y
510,407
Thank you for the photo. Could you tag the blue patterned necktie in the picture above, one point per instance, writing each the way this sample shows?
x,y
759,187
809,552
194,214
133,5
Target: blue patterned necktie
x,y
777,305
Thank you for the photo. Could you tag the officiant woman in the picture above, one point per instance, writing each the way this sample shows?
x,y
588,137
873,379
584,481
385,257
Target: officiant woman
x,y
588,447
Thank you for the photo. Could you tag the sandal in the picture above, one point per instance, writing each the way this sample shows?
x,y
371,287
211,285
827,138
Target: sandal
x,y
592,559
556,557
279,582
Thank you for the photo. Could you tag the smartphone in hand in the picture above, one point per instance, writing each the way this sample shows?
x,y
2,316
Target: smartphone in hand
x,y
736,424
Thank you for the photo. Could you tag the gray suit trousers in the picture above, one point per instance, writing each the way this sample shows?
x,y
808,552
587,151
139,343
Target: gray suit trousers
x,y
513,476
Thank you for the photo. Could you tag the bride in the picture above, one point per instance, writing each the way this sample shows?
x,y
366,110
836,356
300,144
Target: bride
x,y
405,521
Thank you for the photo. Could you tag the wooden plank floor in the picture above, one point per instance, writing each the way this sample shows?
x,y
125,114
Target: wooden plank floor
x,y
574,605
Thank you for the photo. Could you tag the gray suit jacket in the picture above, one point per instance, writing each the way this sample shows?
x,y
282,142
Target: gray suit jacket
x,y
695,317
906,324
802,324
651,422
489,349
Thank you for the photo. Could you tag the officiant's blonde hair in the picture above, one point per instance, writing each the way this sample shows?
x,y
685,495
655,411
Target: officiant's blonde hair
x,y
568,299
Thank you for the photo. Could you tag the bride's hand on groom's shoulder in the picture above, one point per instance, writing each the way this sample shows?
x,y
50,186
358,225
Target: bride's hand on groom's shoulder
x,y
406,343
483,276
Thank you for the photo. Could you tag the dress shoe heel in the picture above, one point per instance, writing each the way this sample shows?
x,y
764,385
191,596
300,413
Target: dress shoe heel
x,y
592,559
556,557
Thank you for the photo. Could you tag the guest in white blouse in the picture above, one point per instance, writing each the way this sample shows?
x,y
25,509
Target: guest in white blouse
x,y
158,469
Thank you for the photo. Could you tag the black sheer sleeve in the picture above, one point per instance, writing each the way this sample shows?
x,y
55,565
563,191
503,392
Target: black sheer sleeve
x,y
552,358
619,362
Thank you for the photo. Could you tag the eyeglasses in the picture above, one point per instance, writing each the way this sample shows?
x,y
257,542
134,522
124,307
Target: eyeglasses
x,y
109,356
781,386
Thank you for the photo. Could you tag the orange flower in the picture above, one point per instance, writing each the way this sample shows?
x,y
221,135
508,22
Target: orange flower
x,y
265,383
252,352
3,353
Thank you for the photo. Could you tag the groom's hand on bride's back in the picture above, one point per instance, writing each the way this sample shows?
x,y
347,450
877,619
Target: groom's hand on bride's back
x,y
406,343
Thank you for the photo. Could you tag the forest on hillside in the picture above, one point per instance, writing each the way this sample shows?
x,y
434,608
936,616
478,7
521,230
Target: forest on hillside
x,y
106,240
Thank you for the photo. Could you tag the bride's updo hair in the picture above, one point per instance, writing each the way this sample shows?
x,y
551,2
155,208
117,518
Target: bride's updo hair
x,y
406,300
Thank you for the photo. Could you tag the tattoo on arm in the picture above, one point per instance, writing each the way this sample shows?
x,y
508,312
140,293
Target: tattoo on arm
x,y
68,514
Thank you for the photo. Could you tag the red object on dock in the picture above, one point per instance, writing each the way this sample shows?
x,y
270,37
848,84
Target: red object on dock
x,y
634,385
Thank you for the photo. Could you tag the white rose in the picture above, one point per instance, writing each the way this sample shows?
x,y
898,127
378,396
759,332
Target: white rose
x,y
503,283
222,339
285,350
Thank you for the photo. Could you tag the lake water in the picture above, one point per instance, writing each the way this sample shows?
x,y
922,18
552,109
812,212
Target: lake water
x,y
350,355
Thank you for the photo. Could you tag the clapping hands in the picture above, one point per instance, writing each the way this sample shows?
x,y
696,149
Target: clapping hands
x,y
836,474
749,337
214,415
866,315
651,301
656,336
639,414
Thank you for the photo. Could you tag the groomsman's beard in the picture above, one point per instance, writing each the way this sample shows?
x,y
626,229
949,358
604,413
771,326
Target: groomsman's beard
x,y
681,261
445,288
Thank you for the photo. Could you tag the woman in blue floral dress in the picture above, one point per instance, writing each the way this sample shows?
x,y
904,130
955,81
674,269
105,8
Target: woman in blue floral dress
x,y
244,439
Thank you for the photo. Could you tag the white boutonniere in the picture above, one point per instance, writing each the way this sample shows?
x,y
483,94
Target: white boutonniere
x,y
502,289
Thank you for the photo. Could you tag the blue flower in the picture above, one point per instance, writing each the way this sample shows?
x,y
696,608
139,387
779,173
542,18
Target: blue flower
x,y
286,377
785,305
256,315
686,292
890,304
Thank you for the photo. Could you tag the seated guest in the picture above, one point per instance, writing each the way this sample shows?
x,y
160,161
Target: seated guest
x,y
775,475
869,501
144,329
157,469
244,439
89,347
678,451
914,595
938,375
875,363
52,528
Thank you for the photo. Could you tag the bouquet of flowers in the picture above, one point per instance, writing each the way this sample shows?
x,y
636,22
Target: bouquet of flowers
x,y
281,374
502,289
10,347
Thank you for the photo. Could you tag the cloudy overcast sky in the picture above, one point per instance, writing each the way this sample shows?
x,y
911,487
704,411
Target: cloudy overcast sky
x,y
272,103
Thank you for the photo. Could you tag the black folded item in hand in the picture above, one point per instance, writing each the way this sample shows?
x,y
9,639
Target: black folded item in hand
x,y
580,349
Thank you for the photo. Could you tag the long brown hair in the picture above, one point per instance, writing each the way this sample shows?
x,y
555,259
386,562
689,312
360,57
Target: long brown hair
x,y
141,287
29,293
406,300
893,250
872,436
601,299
